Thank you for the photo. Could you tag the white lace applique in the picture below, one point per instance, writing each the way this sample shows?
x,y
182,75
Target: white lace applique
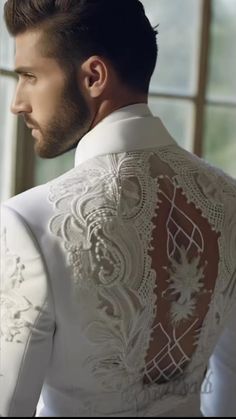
x,y
209,188
214,193
177,234
13,305
13,308
11,266
104,229
185,282
118,331
105,214
174,365
185,274
223,190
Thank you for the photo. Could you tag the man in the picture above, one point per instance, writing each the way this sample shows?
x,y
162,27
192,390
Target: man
x,y
119,276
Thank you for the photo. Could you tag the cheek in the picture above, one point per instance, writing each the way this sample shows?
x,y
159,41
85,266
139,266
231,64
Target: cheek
x,y
46,102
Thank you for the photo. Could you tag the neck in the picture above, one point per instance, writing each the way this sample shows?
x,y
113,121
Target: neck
x,y
108,106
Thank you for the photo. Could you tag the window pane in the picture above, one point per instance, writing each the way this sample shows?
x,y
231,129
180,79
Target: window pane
x,y
7,138
220,144
46,170
6,43
222,80
179,35
177,116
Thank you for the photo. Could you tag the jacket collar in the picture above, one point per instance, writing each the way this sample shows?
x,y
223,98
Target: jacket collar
x,y
127,129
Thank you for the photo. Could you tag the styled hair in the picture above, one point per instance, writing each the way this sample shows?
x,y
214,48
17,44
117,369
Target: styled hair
x,y
74,30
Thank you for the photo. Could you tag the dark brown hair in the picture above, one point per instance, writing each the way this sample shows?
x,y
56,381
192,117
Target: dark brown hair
x,y
77,29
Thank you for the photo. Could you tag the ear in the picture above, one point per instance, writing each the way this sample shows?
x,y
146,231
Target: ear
x,y
94,76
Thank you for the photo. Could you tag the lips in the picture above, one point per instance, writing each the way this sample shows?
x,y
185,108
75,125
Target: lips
x,y
34,131
30,126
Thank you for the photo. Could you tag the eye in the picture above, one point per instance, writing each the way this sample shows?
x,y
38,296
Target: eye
x,y
26,76
29,76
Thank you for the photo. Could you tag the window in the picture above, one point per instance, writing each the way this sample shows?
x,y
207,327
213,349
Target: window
x,y
219,146
49,169
8,123
175,81
193,90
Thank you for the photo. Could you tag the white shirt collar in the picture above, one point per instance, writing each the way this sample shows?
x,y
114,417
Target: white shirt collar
x,y
127,129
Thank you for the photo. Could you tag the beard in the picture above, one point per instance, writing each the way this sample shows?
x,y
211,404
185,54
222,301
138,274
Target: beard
x,y
71,121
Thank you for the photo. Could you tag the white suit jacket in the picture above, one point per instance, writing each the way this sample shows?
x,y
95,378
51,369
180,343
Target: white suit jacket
x,y
118,279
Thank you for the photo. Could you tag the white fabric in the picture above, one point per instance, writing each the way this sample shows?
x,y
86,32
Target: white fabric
x,y
118,278
129,127
220,401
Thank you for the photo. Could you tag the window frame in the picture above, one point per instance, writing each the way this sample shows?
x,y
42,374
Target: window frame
x,y
24,173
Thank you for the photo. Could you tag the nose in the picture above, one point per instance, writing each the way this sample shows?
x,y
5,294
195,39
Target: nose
x,y
20,103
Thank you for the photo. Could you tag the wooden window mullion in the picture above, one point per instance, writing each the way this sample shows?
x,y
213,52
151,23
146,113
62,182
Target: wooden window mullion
x,y
203,77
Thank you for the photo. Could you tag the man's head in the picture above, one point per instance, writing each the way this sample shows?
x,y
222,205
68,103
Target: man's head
x,y
77,61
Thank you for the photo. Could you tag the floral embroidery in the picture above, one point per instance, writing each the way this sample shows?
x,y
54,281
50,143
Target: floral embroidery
x,y
105,215
186,276
214,192
185,282
11,266
14,306
119,331
104,230
13,322
182,311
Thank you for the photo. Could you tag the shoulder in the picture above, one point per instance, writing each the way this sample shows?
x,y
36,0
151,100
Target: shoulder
x,y
188,164
37,206
21,264
34,206
16,233
21,215
29,202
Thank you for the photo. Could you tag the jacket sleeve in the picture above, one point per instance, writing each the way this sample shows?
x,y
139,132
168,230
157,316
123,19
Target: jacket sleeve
x,y
27,318
218,391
